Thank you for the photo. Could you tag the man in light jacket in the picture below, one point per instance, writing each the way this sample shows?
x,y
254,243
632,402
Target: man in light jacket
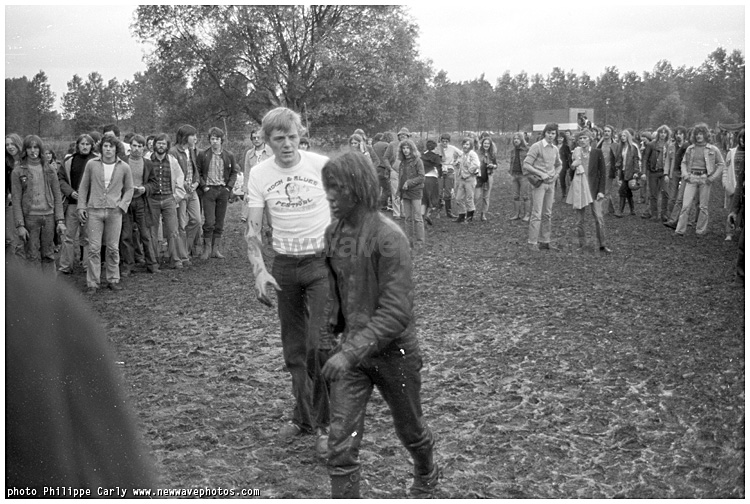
x,y
103,197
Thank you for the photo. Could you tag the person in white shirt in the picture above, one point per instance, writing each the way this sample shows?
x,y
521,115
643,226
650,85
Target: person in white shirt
x,y
289,187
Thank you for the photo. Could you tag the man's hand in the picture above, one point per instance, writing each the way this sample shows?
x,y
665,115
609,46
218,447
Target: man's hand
x,y
82,215
599,196
74,195
262,280
335,367
61,229
23,234
580,170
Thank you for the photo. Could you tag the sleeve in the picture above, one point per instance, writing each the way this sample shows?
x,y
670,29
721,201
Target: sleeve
x,y
530,159
254,195
719,164
233,171
16,196
62,178
419,179
127,186
84,186
57,195
738,193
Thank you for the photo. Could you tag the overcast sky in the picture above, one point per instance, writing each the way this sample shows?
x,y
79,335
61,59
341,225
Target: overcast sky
x,y
465,39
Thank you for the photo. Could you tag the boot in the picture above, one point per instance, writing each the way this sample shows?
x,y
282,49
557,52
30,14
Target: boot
x,y
516,210
215,252
345,487
631,205
622,207
470,215
448,212
483,217
206,249
426,473
461,218
527,211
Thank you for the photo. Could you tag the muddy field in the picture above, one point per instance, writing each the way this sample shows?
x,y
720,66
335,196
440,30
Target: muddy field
x,y
550,374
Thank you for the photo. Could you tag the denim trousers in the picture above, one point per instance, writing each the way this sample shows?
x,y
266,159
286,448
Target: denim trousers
x,y
396,375
136,215
302,302
701,188
395,193
521,187
166,208
465,194
482,195
75,236
189,223
446,183
40,245
103,223
672,190
215,202
540,224
414,222
656,188
596,210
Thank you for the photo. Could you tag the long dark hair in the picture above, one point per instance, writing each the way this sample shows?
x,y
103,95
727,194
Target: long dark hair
x,y
354,171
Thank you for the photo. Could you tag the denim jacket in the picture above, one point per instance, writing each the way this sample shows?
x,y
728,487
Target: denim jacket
x,y
714,162
371,294
22,198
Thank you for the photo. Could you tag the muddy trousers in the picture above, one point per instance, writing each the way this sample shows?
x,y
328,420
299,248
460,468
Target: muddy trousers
x,y
396,376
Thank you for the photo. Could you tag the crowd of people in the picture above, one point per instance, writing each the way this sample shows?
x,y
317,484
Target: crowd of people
x,y
342,267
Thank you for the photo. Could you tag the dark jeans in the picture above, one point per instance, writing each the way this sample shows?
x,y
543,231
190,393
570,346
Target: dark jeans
x,y
215,202
302,302
40,244
136,214
396,375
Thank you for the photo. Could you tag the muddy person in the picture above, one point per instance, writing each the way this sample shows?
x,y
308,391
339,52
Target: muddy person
x,y
369,266
290,188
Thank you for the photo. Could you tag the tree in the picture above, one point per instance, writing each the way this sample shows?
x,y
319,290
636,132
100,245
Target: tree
x,y
671,111
261,56
43,99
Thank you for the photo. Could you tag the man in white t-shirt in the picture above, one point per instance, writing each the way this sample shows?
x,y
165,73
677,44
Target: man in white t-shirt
x,y
290,188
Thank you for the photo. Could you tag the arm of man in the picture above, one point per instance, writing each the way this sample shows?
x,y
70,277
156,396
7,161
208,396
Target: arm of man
x,y
255,254
127,189
83,192
718,166
62,178
528,162
233,170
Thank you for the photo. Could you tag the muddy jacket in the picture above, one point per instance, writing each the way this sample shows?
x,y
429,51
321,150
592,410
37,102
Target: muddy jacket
x,y
371,294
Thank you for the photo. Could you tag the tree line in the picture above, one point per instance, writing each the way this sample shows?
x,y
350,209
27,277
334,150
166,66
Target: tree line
x,y
345,67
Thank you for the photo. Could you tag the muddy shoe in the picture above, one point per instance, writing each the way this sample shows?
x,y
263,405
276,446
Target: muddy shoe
x,y
425,486
290,431
321,443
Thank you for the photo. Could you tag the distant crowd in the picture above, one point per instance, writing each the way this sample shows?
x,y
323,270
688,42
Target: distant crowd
x,y
173,198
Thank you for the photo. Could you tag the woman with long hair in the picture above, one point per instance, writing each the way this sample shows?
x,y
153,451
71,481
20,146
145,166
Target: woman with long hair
x,y
487,163
411,186
628,166
13,145
519,181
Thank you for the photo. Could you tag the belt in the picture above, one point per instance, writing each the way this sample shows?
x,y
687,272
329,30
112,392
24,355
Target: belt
x,y
698,172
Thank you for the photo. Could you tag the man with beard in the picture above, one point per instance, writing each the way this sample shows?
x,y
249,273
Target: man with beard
x,y
167,191
70,174
139,210
189,209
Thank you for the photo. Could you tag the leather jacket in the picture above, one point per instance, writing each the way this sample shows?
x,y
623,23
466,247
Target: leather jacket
x,y
371,291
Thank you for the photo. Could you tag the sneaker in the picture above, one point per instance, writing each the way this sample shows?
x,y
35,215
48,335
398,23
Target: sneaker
x,y
321,443
290,431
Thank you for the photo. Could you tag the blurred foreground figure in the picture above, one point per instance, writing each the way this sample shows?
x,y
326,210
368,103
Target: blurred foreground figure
x,y
369,268
67,424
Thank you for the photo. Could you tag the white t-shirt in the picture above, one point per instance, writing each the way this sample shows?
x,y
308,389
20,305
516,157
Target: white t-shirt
x,y
296,202
108,171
